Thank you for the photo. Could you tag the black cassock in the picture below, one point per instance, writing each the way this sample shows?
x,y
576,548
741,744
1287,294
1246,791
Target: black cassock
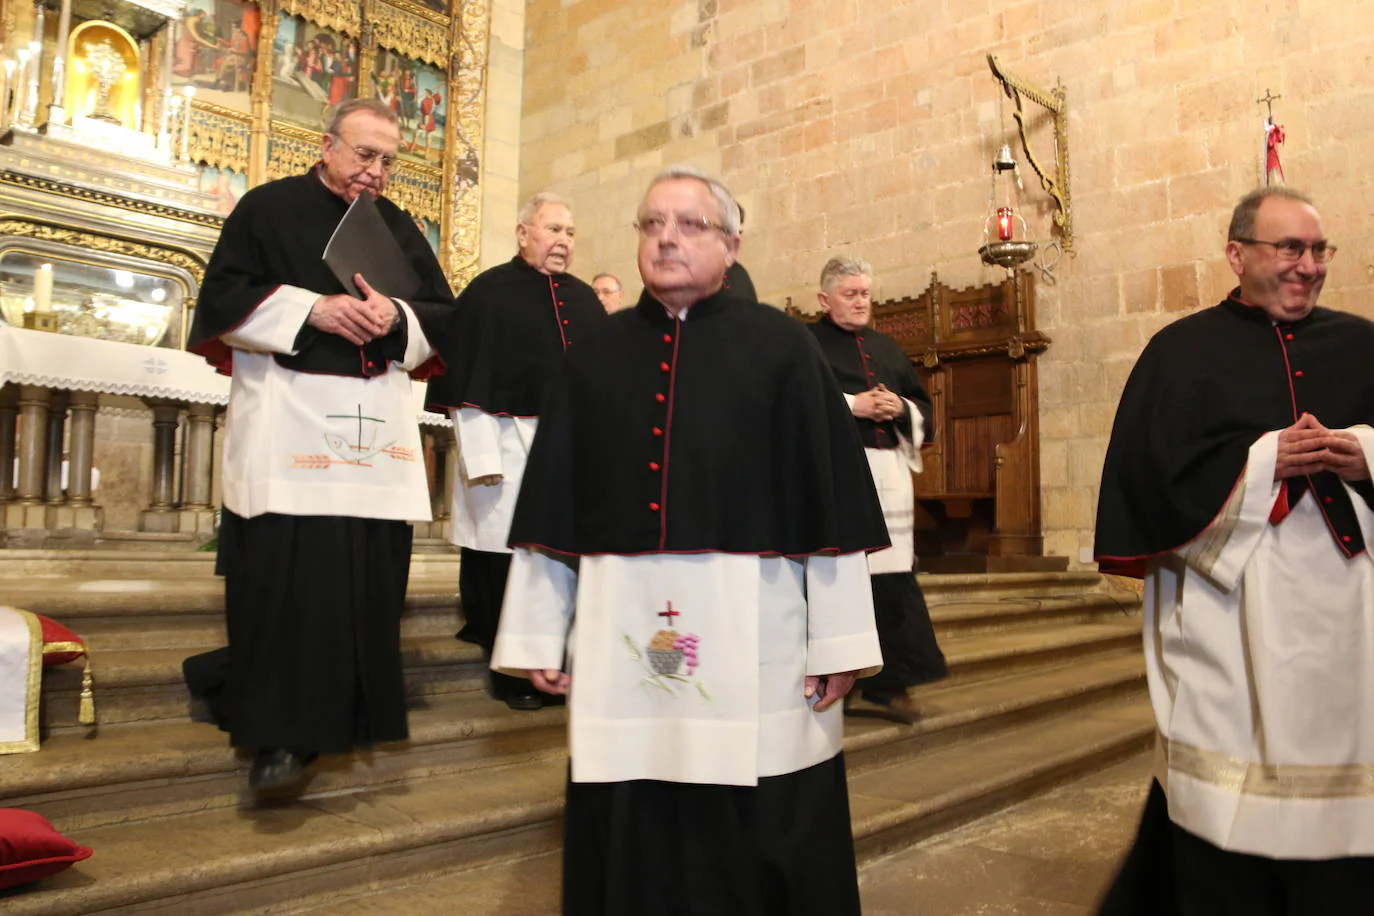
x,y
739,284
513,326
861,361
312,603
724,433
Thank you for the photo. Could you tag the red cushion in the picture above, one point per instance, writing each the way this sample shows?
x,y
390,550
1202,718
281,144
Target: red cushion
x,y
60,645
31,849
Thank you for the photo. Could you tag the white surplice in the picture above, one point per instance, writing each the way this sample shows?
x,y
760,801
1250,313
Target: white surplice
x,y
892,469
299,443
639,709
488,445
1259,644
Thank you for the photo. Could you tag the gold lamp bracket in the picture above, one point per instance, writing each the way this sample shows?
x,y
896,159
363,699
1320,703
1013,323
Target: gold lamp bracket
x,y
1056,185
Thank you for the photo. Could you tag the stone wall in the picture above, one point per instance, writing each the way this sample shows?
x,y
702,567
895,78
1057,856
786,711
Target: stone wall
x,y
868,128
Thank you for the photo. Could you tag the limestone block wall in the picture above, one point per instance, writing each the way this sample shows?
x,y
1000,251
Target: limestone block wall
x,y
867,127
500,181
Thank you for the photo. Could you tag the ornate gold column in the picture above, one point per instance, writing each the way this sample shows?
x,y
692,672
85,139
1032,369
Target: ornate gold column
x,y
461,226
56,111
262,93
367,56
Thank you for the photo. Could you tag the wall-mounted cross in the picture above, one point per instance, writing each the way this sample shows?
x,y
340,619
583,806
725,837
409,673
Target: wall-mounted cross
x,y
1269,100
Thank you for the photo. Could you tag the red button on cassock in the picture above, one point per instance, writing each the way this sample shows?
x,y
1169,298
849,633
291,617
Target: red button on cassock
x,y
653,507
658,397
1298,374
653,465
565,321
1288,337
657,431
664,366
1345,538
1327,500
560,302
667,338
870,375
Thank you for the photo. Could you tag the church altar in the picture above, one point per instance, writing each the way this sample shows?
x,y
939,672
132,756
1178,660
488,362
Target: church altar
x,y
54,386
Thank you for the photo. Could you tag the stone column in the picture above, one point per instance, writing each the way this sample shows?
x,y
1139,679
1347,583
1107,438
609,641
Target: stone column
x,y
29,115
198,511
160,516
27,510
9,415
81,448
57,437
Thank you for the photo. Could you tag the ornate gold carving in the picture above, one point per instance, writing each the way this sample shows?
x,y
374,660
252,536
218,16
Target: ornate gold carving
x,y
260,101
291,150
343,15
88,195
413,30
467,92
220,136
418,190
47,232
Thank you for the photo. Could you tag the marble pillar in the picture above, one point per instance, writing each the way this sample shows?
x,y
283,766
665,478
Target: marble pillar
x,y
9,416
161,516
197,514
57,438
27,509
79,516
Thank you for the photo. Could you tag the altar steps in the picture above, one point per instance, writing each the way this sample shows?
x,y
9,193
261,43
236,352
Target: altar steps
x,y
1047,680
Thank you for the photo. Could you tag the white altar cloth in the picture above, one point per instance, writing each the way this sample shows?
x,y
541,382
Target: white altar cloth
x,y
84,364
21,672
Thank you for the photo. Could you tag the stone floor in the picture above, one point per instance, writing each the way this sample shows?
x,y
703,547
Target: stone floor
x,y
1050,856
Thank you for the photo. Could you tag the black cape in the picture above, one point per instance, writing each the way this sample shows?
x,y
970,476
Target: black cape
x,y
1203,391
277,235
721,433
738,283
860,361
513,326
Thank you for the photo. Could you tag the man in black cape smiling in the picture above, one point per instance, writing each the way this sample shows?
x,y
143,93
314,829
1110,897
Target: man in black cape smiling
x,y
697,498
322,459
1237,484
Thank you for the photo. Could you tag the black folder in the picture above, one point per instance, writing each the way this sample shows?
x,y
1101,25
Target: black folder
x,y
362,243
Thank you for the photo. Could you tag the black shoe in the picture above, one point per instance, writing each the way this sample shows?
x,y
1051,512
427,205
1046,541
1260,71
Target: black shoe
x,y
897,702
277,768
524,701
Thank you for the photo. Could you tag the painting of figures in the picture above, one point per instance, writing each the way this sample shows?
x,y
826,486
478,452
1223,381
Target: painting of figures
x,y
226,186
215,50
430,230
315,69
416,92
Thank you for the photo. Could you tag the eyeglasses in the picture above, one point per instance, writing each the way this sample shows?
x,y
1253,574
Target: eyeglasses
x,y
1294,249
655,224
366,155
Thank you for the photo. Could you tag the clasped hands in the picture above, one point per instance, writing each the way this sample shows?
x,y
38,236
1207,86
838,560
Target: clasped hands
x,y
829,688
878,404
358,321
1308,447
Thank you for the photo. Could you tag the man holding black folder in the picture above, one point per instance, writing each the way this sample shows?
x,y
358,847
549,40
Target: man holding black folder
x,y
515,322
322,460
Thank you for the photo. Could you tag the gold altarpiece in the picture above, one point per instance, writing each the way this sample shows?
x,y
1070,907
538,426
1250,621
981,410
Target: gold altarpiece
x,y
128,128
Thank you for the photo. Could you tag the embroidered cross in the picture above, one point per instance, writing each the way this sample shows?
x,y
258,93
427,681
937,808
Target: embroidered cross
x,y
670,613
359,417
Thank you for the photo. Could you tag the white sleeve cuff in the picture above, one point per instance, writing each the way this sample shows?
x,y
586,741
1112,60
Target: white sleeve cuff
x,y
274,324
479,442
418,348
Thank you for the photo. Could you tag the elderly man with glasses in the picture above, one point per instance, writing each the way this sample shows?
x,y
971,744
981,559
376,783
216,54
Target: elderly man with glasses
x,y
1237,485
515,322
322,460
690,568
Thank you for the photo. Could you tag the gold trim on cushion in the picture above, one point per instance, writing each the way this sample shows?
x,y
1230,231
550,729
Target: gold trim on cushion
x,y
35,688
1268,780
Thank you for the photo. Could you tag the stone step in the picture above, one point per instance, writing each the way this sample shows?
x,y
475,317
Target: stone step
x,y
139,773
951,616
146,684
421,805
895,806
891,808
136,685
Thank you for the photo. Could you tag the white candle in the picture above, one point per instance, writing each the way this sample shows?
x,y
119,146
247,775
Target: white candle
x,y
42,289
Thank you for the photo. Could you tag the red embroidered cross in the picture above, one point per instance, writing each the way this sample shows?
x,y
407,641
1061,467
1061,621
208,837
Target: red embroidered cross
x,y
670,613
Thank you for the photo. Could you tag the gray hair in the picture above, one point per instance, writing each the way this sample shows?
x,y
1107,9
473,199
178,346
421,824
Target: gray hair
x,y
531,209
729,209
618,284
1243,217
844,266
353,106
